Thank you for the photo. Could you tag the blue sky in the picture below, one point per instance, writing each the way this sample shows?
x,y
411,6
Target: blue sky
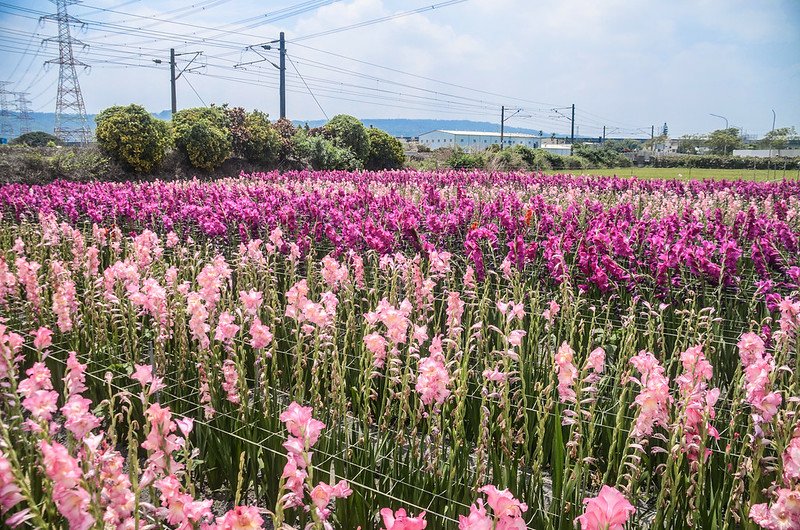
x,y
624,64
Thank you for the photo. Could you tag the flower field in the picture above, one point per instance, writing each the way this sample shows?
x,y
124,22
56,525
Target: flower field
x,y
400,350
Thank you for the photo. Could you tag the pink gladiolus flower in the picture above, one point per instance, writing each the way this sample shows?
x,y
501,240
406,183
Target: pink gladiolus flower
x,y
610,510
376,343
399,520
477,519
43,338
596,360
230,383
251,301
10,494
226,329
79,421
791,459
783,514
185,425
567,373
241,518
433,380
300,424
260,335
503,504
515,337
653,399
550,313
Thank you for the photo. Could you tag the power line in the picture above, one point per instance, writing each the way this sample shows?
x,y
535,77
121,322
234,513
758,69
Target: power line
x,y
379,20
309,88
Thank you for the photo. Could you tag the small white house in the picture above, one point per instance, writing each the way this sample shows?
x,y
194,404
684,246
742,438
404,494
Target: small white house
x,y
476,140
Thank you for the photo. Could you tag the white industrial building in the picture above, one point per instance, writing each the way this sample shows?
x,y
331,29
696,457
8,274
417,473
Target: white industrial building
x,y
476,140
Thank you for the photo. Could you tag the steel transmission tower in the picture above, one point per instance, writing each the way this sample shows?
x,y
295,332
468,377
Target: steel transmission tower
x,y
71,125
24,113
6,127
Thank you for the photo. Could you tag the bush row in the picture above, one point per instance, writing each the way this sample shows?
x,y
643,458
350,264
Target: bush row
x,y
521,157
725,162
208,136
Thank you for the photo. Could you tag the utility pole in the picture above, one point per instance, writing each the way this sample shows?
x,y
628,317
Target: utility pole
x,y
604,134
281,66
652,131
71,124
572,133
173,78
502,124
174,95
503,120
282,50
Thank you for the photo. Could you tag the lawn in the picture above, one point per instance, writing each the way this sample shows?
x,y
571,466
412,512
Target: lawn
x,y
696,173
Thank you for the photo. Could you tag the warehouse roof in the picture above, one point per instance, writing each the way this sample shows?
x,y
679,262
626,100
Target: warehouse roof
x,y
483,133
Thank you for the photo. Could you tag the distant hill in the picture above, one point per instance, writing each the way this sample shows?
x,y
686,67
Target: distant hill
x,y
415,127
44,121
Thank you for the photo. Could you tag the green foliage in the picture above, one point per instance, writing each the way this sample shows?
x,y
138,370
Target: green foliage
x,y
622,146
35,139
422,148
318,152
724,141
777,139
203,135
385,151
40,165
262,144
689,144
600,155
348,132
505,160
725,162
133,137
461,160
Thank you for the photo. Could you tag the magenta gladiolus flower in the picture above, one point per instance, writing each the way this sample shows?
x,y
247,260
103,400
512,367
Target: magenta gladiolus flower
x,y
610,510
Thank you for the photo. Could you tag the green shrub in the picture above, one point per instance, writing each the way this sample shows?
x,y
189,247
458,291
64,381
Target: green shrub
x,y
133,137
202,134
385,151
262,144
348,132
318,152
505,160
36,139
461,160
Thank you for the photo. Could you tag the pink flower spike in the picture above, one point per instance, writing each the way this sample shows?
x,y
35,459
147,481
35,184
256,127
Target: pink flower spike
x,y
185,425
399,520
43,338
610,510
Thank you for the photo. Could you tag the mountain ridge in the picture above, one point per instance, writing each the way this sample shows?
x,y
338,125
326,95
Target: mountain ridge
x,y
401,127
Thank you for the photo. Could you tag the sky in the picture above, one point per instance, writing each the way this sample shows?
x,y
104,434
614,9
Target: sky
x,y
625,64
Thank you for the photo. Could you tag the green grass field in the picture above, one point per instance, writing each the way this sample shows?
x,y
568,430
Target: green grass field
x,y
686,173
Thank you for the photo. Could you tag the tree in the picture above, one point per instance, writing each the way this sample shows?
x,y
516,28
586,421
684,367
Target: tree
x,y
263,144
203,135
688,144
133,137
36,139
348,132
656,141
777,139
724,141
385,151
320,153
